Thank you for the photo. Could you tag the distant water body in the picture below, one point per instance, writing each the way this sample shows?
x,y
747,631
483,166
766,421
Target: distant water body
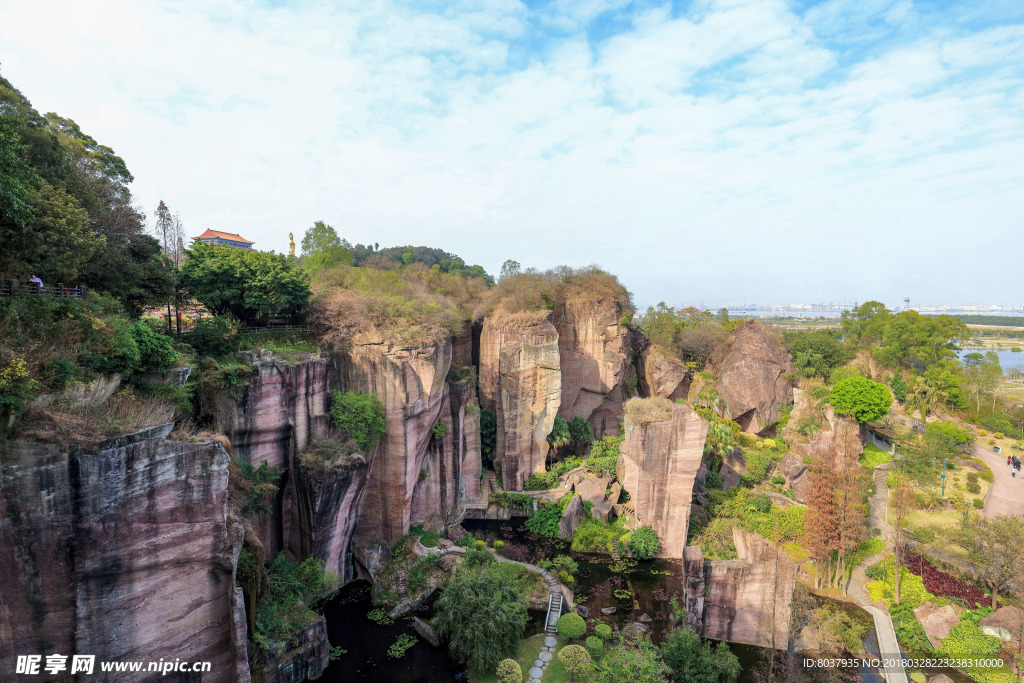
x,y
1007,358
741,313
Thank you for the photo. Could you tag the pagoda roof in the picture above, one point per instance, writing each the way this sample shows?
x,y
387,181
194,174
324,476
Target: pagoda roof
x,y
215,234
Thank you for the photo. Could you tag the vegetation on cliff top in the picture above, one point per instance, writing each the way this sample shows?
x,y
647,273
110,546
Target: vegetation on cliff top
x,y
523,298
687,334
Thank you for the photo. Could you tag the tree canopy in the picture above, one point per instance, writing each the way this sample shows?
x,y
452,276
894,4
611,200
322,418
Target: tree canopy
x,y
693,661
862,398
253,286
322,248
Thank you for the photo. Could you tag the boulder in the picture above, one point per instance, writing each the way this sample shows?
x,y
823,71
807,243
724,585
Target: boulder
x,y
662,375
446,561
571,518
791,467
658,467
1005,624
941,678
646,618
583,611
752,371
634,630
592,490
426,631
608,610
936,622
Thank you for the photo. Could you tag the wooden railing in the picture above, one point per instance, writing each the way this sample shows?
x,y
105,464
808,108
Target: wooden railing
x,y
13,288
260,330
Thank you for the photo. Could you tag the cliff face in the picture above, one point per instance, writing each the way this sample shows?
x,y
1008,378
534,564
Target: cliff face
x,y
662,376
752,370
658,466
829,434
747,600
572,362
594,354
127,553
416,474
520,380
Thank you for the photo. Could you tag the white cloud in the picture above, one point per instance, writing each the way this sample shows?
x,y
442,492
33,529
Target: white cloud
x,y
734,151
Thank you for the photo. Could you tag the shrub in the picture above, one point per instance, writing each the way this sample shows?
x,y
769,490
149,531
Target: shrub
x,y
595,646
571,626
216,336
603,631
575,660
973,487
480,545
644,411
545,519
899,388
982,432
360,416
714,480
16,387
637,662
467,541
767,443
580,431
439,431
540,481
593,535
506,499
155,351
568,464
998,435
559,435
509,671
294,591
978,503
778,480
864,399
644,543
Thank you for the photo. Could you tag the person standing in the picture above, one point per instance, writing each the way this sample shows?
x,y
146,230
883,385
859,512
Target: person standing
x,y
37,281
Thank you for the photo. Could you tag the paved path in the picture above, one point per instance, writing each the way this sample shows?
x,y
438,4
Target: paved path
x,y
1005,495
878,506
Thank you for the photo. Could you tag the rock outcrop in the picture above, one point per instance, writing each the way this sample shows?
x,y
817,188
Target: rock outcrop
x,y
825,434
303,662
417,472
571,517
936,621
594,353
752,374
658,467
127,553
520,381
663,376
1006,623
735,600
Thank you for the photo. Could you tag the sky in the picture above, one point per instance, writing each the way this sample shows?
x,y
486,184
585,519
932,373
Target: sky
x,y
714,151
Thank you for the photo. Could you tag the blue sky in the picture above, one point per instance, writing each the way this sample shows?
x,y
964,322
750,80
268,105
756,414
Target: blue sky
x,y
714,150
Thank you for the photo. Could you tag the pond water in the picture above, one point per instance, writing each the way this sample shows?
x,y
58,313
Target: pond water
x,y
1007,359
367,644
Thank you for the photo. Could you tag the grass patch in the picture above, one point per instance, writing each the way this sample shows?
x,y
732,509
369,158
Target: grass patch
x,y
287,348
873,456
529,649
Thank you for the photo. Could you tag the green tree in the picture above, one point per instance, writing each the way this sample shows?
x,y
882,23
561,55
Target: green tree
x,y
693,661
580,432
816,353
644,543
575,659
253,286
322,248
16,177
360,416
862,398
559,436
509,269
155,351
636,661
997,547
509,671
488,434
866,323
482,614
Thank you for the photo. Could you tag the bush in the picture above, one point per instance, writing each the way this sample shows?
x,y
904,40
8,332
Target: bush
x,y
864,399
511,500
714,480
16,387
559,435
998,435
899,388
575,660
636,662
155,351
545,519
603,631
480,545
540,481
595,646
644,543
360,416
778,480
216,336
294,591
509,671
594,536
978,504
439,431
467,541
571,626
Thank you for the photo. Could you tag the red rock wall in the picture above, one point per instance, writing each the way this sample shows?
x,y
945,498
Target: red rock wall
x,y
127,553
752,374
520,380
663,377
658,466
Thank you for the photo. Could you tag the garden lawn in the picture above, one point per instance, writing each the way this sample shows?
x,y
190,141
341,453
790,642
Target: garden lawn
x,y
873,456
556,673
529,648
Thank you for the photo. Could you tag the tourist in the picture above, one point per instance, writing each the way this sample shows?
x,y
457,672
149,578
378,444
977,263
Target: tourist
x,y
37,281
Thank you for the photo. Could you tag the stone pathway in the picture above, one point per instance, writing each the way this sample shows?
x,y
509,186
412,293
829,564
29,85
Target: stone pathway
x,y
540,665
888,647
1005,495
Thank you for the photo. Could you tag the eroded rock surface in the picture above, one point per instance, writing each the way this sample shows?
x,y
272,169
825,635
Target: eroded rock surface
x,y
520,381
127,553
663,376
752,370
828,435
658,467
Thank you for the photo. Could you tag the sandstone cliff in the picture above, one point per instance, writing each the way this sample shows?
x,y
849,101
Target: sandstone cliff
x,y
594,355
520,381
663,376
747,600
658,467
127,553
417,472
752,374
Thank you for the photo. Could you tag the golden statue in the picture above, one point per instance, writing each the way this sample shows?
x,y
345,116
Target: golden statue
x,y
291,244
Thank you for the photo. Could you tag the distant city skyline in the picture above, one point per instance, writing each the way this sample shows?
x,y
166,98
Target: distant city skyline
x,y
698,150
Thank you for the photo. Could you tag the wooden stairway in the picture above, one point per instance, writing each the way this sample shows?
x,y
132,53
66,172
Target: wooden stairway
x,y
554,611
